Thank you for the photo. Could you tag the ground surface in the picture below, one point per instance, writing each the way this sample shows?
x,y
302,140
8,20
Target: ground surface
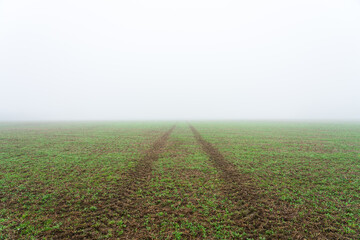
x,y
209,180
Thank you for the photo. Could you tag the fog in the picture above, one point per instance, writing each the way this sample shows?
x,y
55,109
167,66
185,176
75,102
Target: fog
x,y
189,59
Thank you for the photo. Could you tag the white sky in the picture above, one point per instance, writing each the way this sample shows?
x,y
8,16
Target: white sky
x,y
188,59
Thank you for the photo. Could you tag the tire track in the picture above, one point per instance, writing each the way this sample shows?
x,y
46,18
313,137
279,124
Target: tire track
x,y
255,211
142,170
118,203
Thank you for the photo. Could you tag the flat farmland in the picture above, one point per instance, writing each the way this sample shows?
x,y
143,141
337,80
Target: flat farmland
x,y
167,180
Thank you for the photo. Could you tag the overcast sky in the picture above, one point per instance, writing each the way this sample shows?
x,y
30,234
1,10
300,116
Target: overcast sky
x,y
188,59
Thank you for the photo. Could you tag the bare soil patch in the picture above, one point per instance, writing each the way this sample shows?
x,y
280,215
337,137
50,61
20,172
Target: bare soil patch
x,y
112,209
257,212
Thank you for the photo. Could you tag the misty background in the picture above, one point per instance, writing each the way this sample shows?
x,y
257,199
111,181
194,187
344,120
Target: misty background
x,y
189,59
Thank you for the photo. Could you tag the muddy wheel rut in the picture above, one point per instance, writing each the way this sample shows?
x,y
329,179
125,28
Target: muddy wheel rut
x,y
120,202
255,209
182,200
147,197
142,170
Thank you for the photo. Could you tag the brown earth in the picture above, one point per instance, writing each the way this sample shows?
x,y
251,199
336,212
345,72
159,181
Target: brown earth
x,y
254,211
257,212
109,209
170,205
269,212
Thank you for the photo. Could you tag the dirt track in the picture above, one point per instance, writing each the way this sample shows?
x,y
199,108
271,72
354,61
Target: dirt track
x,y
255,210
142,170
119,202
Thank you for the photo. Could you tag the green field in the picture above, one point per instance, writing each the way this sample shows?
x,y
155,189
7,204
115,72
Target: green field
x,y
207,180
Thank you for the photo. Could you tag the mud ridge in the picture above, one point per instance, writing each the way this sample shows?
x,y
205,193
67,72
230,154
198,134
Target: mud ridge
x,y
120,201
255,209
143,169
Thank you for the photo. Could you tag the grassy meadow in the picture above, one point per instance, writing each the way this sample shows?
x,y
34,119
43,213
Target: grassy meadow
x,y
147,180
